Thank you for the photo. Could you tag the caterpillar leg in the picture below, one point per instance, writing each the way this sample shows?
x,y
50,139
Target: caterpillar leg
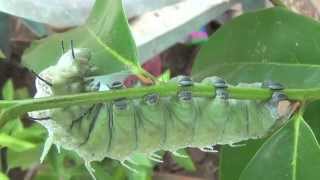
x,y
128,167
175,153
209,149
237,145
90,169
155,159
156,156
47,146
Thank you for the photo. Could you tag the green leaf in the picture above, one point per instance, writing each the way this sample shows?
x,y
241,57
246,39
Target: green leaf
x,y
272,44
2,56
101,173
119,173
57,163
185,162
35,133
142,175
8,90
15,144
141,160
25,159
13,126
106,33
234,159
290,154
21,93
312,117
165,77
3,176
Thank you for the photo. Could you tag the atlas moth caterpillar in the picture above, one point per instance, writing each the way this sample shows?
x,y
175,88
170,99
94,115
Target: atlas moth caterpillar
x,y
122,128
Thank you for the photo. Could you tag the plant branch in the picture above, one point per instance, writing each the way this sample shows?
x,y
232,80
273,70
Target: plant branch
x,y
15,108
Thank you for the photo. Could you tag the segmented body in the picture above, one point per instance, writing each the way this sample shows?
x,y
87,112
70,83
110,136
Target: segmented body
x,y
121,128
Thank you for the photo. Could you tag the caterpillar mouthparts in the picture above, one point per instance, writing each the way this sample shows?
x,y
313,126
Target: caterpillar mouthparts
x,y
122,128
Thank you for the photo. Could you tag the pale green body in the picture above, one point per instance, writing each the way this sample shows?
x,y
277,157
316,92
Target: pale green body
x,y
144,129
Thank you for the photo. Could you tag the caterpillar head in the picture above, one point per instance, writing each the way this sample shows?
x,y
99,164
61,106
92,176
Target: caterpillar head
x,y
67,76
75,62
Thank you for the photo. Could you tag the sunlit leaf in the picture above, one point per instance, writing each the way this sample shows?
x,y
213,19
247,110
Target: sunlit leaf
x,y
106,34
272,44
15,144
8,90
3,176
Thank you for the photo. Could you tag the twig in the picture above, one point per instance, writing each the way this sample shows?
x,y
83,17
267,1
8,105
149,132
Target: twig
x,y
13,109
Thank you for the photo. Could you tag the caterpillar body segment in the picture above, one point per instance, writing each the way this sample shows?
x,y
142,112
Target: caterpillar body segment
x,y
182,116
152,122
124,133
122,128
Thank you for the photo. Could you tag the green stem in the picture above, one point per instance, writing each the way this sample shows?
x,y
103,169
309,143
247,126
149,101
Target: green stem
x,y
136,69
15,108
278,3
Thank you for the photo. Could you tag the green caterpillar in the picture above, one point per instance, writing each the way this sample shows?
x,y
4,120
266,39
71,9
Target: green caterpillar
x,y
122,128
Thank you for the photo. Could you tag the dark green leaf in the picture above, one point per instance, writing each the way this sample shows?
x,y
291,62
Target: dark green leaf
x,y
101,173
57,163
290,154
312,117
25,159
234,159
272,44
106,32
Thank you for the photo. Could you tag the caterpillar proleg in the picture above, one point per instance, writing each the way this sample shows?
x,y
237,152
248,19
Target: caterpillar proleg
x,y
124,127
